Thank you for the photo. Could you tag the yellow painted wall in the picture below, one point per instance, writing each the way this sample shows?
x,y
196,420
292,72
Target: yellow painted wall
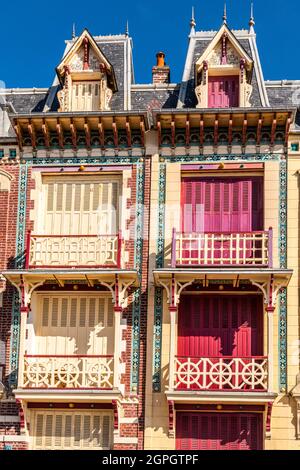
x,y
284,409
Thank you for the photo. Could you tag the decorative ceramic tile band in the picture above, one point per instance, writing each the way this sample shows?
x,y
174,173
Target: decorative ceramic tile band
x,y
158,296
19,264
138,258
283,264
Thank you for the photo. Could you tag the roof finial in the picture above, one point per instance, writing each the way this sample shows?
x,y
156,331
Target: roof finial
x,y
74,31
225,14
252,22
193,21
127,29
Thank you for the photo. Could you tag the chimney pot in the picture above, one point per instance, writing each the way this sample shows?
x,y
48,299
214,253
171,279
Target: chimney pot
x,y
160,59
161,71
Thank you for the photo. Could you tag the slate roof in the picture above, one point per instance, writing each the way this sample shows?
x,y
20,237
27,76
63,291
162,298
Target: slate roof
x,y
27,101
154,97
114,52
149,96
284,93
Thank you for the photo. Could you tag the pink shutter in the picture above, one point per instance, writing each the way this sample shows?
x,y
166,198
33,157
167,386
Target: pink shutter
x,y
223,92
257,204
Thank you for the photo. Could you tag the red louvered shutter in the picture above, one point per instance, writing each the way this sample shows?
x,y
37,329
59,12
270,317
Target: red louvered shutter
x,y
216,326
219,431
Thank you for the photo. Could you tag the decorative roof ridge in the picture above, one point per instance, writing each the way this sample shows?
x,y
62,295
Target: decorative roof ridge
x,y
282,83
110,37
23,91
154,86
211,33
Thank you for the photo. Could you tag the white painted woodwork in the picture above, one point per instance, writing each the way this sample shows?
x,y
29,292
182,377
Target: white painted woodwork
x,y
221,373
74,251
72,430
67,372
222,249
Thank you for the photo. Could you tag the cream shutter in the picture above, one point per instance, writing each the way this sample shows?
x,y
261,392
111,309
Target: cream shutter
x,y
84,207
77,430
75,325
85,96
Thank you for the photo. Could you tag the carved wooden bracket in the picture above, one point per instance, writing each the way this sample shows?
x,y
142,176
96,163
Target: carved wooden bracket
x,y
268,421
270,290
174,289
119,291
171,418
25,290
115,405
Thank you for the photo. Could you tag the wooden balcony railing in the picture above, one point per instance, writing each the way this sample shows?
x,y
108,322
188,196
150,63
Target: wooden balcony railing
x,y
68,372
80,251
222,249
221,374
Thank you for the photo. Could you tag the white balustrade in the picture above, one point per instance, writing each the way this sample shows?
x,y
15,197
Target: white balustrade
x,y
74,372
209,249
239,374
81,251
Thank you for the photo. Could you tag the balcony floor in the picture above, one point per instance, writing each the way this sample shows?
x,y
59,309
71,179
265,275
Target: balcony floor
x,y
203,397
61,396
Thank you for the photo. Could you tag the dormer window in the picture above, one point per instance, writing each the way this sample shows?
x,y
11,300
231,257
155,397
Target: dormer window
x,y
87,78
224,73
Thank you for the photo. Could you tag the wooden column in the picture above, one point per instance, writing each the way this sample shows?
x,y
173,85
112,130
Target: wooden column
x,y
270,312
173,336
118,315
24,316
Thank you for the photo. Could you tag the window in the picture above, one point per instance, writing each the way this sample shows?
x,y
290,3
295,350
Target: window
x,y
12,153
295,147
77,430
85,96
1,153
75,325
88,206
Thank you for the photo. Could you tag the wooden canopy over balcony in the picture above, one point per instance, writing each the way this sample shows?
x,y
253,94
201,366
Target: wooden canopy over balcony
x,y
117,130
185,127
116,281
268,281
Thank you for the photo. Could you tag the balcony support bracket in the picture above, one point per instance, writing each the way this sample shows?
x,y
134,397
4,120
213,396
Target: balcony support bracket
x,y
25,290
174,289
269,418
115,405
171,418
270,290
119,291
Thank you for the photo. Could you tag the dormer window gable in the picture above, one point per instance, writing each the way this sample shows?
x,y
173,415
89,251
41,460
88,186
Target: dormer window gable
x,y
223,73
87,78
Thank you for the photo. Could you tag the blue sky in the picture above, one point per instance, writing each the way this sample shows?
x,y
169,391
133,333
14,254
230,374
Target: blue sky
x,y
32,33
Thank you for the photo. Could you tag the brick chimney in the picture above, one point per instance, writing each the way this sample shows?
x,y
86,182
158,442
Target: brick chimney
x,y
161,72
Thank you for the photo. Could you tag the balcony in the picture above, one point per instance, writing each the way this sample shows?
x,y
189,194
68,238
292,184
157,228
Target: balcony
x,y
221,374
74,251
68,372
226,249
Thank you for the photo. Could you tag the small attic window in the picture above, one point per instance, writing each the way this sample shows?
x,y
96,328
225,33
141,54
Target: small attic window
x,y
12,153
1,153
295,147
